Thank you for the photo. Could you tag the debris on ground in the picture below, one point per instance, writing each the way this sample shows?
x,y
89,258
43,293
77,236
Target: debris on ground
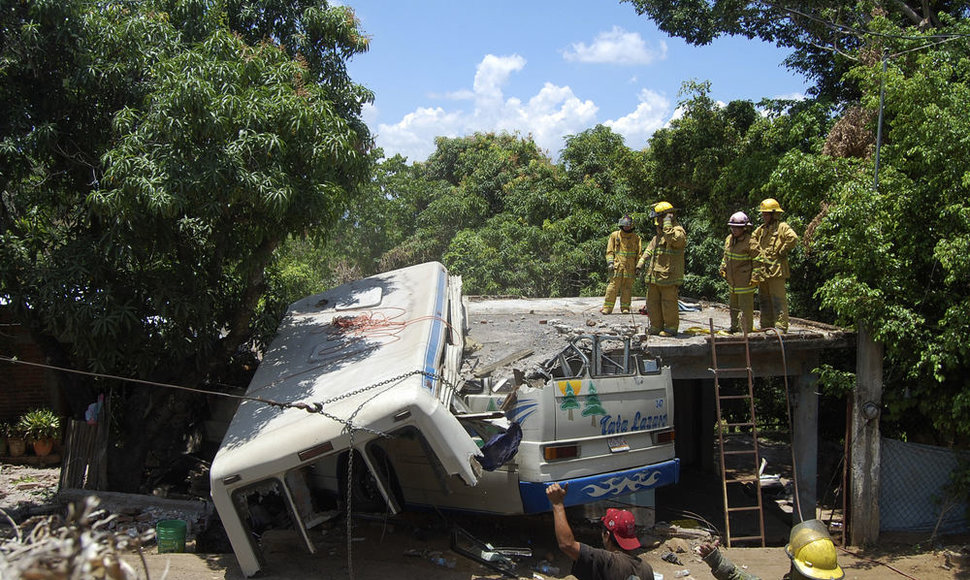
x,y
672,558
80,545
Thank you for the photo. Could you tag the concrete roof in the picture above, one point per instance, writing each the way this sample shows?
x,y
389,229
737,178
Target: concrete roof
x,y
503,327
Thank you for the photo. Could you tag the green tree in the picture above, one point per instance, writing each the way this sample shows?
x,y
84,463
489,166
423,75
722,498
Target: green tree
x,y
549,237
696,164
151,162
825,35
896,256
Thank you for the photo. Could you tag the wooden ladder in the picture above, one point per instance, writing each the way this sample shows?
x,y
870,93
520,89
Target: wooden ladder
x,y
741,444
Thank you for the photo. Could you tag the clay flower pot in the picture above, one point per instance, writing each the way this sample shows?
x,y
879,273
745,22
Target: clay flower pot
x,y
43,447
18,446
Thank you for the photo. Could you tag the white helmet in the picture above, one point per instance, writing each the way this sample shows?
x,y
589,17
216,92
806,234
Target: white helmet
x,y
739,218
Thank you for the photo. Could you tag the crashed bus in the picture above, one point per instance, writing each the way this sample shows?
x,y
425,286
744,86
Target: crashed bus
x,y
365,397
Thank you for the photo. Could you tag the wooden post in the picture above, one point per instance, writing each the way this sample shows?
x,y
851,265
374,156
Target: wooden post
x,y
867,404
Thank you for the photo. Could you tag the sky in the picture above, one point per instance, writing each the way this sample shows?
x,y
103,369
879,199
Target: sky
x,y
545,68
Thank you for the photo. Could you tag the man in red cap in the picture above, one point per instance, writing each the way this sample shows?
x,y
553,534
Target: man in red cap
x,y
619,533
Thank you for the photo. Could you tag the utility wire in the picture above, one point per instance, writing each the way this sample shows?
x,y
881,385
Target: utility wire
x,y
859,33
314,407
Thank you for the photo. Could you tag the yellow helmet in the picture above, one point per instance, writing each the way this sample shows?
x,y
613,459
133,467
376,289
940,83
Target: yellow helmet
x,y
812,552
770,205
660,208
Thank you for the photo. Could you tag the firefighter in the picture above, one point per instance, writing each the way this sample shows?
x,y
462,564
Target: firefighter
x,y
664,260
737,267
616,560
810,550
622,251
775,240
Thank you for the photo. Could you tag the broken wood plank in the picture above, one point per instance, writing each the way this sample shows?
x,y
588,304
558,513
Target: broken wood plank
x,y
489,368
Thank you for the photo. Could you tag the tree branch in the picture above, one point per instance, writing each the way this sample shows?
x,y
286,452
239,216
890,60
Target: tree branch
x,y
909,12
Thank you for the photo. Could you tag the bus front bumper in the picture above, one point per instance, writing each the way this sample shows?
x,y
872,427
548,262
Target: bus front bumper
x,y
605,486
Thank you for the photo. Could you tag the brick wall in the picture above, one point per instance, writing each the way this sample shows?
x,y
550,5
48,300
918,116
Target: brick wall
x,y
22,387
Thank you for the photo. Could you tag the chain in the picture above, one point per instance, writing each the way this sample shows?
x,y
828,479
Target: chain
x,y
318,407
351,429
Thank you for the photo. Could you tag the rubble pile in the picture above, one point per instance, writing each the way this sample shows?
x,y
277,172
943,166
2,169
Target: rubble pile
x,y
80,545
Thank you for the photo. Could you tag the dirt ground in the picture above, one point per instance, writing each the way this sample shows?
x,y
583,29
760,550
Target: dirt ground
x,y
403,547
380,551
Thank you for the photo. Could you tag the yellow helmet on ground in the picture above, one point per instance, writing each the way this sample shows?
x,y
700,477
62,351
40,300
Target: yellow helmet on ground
x,y
812,551
770,205
661,208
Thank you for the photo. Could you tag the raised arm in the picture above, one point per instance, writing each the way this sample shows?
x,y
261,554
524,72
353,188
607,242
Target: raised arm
x,y
564,533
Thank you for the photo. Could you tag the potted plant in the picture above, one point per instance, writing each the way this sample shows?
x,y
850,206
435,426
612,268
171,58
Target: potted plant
x,y
41,427
16,444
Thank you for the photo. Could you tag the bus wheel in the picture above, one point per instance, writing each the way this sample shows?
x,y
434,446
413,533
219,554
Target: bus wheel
x,y
365,494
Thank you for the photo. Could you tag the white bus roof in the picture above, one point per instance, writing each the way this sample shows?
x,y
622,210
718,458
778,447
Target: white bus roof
x,y
365,350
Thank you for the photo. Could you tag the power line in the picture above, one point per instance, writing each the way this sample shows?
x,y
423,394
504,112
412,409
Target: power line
x,y
312,407
836,27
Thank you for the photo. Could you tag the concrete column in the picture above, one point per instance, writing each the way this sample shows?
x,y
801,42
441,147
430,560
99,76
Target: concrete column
x,y
686,422
805,442
865,440
708,415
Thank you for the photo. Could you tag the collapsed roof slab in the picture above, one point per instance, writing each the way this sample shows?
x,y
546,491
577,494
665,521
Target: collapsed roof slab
x,y
501,327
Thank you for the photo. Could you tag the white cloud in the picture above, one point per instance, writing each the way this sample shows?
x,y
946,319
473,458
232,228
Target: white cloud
x,y
616,47
548,116
651,114
791,97
678,114
413,136
492,73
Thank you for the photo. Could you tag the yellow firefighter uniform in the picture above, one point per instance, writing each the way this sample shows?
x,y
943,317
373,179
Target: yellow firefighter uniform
x,y
622,251
737,266
664,259
775,240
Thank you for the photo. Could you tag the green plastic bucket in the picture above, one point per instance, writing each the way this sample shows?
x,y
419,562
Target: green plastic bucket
x,y
170,535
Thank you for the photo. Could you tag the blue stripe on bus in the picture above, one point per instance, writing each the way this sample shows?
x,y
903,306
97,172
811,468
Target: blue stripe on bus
x,y
431,355
520,411
600,487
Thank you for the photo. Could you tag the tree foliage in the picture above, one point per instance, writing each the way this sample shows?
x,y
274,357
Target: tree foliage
x,y
896,255
174,172
826,36
152,159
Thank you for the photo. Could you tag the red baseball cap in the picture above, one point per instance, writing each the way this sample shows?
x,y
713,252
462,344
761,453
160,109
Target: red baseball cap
x,y
622,525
